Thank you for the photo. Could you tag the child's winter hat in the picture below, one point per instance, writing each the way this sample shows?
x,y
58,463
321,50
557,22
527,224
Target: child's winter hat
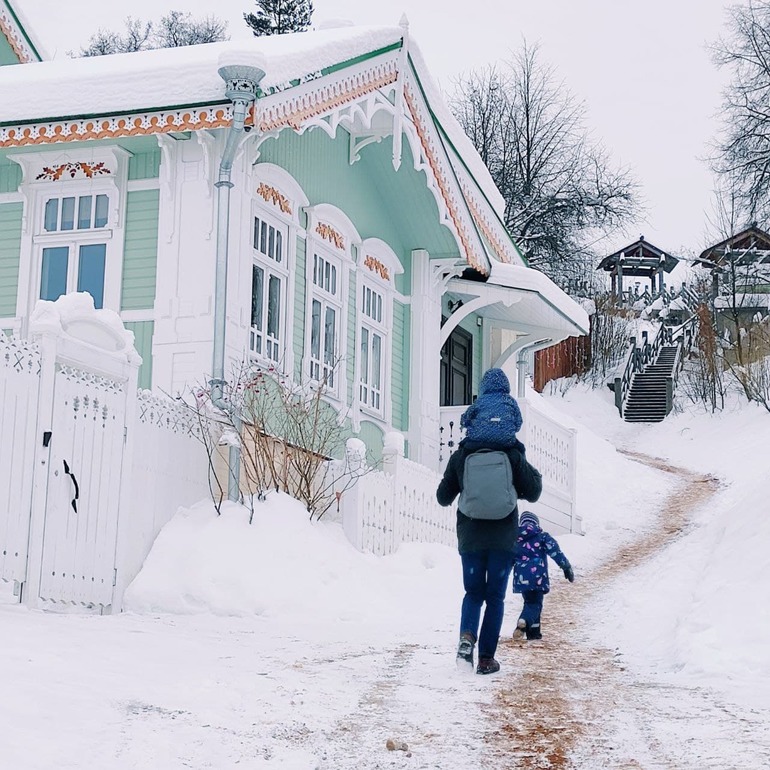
x,y
494,381
528,518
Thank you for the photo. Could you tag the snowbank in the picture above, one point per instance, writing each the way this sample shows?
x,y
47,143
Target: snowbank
x,y
283,566
697,613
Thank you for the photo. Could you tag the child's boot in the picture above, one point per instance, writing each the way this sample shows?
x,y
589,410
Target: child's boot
x,y
520,630
533,632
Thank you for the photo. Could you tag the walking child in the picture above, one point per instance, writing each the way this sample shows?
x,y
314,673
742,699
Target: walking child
x,y
530,572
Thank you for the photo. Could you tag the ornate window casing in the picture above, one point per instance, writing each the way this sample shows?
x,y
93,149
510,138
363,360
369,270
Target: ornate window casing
x,y
72,226
273,228
331,242
377,267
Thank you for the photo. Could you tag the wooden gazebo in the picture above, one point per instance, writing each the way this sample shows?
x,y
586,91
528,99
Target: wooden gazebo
x,y
641,260
750,246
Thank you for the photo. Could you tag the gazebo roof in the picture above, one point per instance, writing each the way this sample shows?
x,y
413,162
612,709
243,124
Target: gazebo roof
x,y
640,258
749,245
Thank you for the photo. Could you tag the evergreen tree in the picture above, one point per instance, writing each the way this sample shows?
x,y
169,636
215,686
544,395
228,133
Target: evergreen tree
x,y
277,17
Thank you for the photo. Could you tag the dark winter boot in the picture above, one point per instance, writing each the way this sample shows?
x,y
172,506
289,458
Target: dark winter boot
x,y
520,630
465,652
487,666
533,632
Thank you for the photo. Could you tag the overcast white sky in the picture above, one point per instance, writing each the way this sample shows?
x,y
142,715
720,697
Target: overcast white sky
x,y
642,68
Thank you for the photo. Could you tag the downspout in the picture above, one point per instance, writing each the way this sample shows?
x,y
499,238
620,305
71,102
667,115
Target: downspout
x,y
241,83
522,362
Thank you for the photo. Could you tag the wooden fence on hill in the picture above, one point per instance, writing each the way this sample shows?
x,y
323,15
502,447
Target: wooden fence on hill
x,y
571,356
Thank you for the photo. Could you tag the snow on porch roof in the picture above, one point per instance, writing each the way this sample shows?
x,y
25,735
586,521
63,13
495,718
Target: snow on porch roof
x,y
526,298
172,77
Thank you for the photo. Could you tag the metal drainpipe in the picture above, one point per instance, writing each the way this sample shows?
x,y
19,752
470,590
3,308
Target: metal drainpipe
x,y
242,81
522,364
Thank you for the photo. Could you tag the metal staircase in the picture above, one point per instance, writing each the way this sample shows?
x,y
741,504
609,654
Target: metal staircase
x,y
645,391
647,396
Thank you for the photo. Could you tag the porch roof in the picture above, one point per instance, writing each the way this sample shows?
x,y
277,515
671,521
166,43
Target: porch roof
x,y
522,299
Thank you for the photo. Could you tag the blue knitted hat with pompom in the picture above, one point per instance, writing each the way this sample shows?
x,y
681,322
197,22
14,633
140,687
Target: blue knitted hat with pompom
x,y
528,518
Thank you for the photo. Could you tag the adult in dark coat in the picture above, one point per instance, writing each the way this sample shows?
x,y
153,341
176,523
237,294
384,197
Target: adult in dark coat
x,y
486,549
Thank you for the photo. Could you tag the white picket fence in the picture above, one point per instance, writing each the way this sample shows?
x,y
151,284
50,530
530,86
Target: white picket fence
x,y
551,448
89,471
398,504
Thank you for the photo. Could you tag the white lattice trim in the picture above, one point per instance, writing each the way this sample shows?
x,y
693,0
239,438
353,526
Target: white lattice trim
x,y
15,37
20,356
165,414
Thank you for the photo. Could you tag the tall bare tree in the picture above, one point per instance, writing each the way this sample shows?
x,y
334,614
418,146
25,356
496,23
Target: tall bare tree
x,y
744,152
176,28
562,193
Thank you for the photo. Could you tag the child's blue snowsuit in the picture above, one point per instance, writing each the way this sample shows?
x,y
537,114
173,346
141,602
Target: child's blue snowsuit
x,y
530,569
495,417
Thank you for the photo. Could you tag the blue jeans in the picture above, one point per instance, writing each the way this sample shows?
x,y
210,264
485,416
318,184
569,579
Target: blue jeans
x,y
485,579
533,606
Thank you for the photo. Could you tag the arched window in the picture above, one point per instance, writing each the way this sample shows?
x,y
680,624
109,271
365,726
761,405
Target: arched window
x,y
273,228
377,268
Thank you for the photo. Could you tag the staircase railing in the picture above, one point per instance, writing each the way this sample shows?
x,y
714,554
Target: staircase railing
x,y
638,357
684,336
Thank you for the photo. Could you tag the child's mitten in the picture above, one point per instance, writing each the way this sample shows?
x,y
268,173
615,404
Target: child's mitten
x,y
569,574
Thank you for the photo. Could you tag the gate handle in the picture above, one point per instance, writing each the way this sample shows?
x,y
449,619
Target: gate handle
x,y
75,482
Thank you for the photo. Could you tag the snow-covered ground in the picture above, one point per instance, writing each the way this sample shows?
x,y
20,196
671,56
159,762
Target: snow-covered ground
x,y
277,645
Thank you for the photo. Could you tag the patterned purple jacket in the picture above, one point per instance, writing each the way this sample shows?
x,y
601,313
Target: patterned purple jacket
x,y
530,568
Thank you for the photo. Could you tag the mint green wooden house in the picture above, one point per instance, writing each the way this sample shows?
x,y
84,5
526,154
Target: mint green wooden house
x,y
303,200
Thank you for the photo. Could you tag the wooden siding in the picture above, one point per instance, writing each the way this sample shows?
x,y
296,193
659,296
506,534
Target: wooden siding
x,y
10,176
140,254
144,165
10,248
571,356
399,367
299,309
371,435
143,331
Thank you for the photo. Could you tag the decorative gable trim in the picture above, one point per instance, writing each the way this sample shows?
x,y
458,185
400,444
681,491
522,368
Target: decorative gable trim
x,y
14,34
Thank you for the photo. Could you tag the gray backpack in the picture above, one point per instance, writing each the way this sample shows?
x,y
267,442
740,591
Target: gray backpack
x,y
488,491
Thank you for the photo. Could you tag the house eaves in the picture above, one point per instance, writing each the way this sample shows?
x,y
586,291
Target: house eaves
x,y
16,30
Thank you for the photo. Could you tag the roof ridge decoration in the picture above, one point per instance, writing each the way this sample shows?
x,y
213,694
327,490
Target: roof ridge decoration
x,y
14,33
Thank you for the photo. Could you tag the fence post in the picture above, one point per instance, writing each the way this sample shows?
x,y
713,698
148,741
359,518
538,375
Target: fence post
x,y
392,453
619,395
669,394
574,527
48,346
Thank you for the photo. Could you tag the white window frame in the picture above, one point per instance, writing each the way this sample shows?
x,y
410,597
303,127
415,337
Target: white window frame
x,y
320,370
271,268
377,268
372,399
72,239
332,236
36,191
281,208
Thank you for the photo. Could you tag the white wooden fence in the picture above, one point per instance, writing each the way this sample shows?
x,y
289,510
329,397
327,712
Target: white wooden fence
x,y
551,448
398,504
88,471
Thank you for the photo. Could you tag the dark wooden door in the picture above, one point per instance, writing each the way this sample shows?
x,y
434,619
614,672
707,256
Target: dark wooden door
x,y
457,369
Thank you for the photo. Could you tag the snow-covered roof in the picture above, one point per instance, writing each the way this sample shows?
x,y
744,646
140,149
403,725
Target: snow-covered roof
x,y
179,89
145,80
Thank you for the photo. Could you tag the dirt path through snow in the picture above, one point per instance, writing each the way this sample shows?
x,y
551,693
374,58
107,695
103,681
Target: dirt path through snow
x,y
567,704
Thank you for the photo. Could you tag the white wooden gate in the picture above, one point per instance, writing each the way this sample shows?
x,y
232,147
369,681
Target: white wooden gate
x,y
19,387
76,503
83,487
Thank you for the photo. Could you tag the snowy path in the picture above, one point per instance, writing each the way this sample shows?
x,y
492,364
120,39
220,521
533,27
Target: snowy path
x,y
567,703
318,681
